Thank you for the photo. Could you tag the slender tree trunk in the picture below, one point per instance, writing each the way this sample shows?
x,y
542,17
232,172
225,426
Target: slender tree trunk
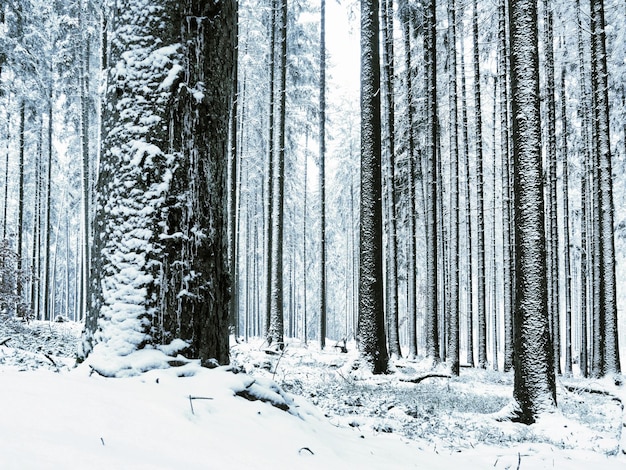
x,y
304,244
20,220
481,308
453,314
507,259
534,383
233,197
586,252
566,237
269,173
276,330
608,302
551,159
432,272
6,170
48,230
389,70
85,168
371,330
322,175
411,261
468,206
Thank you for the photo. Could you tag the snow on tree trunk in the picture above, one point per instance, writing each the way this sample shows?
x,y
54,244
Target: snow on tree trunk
x,y
371,333
481,295
534,383
606,263
159,275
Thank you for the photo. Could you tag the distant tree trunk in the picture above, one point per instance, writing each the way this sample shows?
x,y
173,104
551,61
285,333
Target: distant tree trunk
x,y
507,259
495,302
551,213
276,330
610,364
468,205
233,228
432,273
481,312
411,261
566,238
534,383
269,172
585,199
453,314
389,70
6,172
86,161
304,244
322,175
160,260
20,212
371,329
48,229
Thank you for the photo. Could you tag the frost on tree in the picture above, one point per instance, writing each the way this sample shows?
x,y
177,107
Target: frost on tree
x,y
534,387
159,274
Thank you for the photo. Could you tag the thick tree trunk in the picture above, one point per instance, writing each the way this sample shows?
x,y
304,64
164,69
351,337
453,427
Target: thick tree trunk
x,y
160,260
534,384
371,330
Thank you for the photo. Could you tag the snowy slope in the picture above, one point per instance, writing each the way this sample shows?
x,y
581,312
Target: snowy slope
x,y
75,419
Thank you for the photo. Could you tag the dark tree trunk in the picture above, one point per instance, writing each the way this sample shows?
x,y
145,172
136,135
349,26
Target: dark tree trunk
x,y
322,175
468,207
388,68
507,258
371,329
610,364
162,186
553,266
534,384
566,237
432,272
453,313
481,308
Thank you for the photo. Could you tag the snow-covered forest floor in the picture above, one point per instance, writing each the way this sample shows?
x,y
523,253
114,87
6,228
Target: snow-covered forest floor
x,y
299,409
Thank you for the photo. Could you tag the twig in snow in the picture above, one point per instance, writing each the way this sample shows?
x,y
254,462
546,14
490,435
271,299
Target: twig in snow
x,y
306,449
519,460
4,341
191,398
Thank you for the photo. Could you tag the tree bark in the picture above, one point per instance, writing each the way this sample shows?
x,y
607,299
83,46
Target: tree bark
x,y
534,382
481,308
160,260
371,330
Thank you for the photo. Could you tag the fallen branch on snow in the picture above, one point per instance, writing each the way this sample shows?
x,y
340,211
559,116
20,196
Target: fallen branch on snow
x,y
416,380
